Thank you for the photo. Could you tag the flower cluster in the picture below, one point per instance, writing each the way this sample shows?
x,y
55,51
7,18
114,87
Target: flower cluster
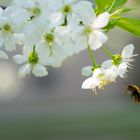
x,y
109,70
49,31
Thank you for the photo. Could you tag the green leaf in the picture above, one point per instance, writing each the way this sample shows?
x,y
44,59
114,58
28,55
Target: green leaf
x,y
111,24
130,25
117,5
103,5
109,5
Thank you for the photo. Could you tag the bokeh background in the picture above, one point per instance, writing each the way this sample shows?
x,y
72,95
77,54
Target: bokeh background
x,y
55,107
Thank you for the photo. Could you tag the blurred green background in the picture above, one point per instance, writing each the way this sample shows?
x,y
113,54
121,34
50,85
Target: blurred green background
x,y
55,108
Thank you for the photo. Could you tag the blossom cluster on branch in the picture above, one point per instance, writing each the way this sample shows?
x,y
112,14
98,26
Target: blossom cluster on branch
x,y
49,31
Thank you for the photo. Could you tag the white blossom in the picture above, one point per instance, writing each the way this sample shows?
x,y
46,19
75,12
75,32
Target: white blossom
x,y
55,46
32,63
8,28
90,31
121,62
101,77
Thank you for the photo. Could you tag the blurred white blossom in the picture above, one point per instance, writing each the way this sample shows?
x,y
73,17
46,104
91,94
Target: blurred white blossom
x,y
50,31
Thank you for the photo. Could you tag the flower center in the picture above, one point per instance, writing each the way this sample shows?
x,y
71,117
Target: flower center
x,y
33,57
7,28
49,38
35,11
117,59
103,80
88,30
67,9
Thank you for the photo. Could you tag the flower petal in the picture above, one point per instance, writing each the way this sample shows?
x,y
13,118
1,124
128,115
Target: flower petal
x,y
1,11
128,51
1,39
107,64
25,70
122,69
97,39
101,21
19,59
94,42
84,9
87,71
39,70
56,19
10,42
88,83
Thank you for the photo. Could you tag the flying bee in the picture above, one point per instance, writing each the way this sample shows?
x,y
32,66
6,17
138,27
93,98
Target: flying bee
x,y
135,92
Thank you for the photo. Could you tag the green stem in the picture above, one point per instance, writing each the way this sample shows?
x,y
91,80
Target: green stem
x,y
107,52
111,6
92,58
34,50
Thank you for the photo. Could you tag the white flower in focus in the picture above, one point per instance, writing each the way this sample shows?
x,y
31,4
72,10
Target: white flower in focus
x,y
100,78
32,63
121,63
91,26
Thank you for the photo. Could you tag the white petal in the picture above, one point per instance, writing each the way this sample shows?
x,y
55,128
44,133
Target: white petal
x,y
101,21
111,73
84,9
80,43
27,50
69,1
19,38
102,37
55,5
97,72
128,51
88,83
94,42
17,18
39,70
43,53
1,38
73,20
87,71
55,62
1,11
3,55
25,70
122,69
58,50
10,42
63,39
19,59
56,19
107,64
97,39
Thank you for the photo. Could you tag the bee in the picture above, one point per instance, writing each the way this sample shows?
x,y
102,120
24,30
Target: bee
x,y
134,91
